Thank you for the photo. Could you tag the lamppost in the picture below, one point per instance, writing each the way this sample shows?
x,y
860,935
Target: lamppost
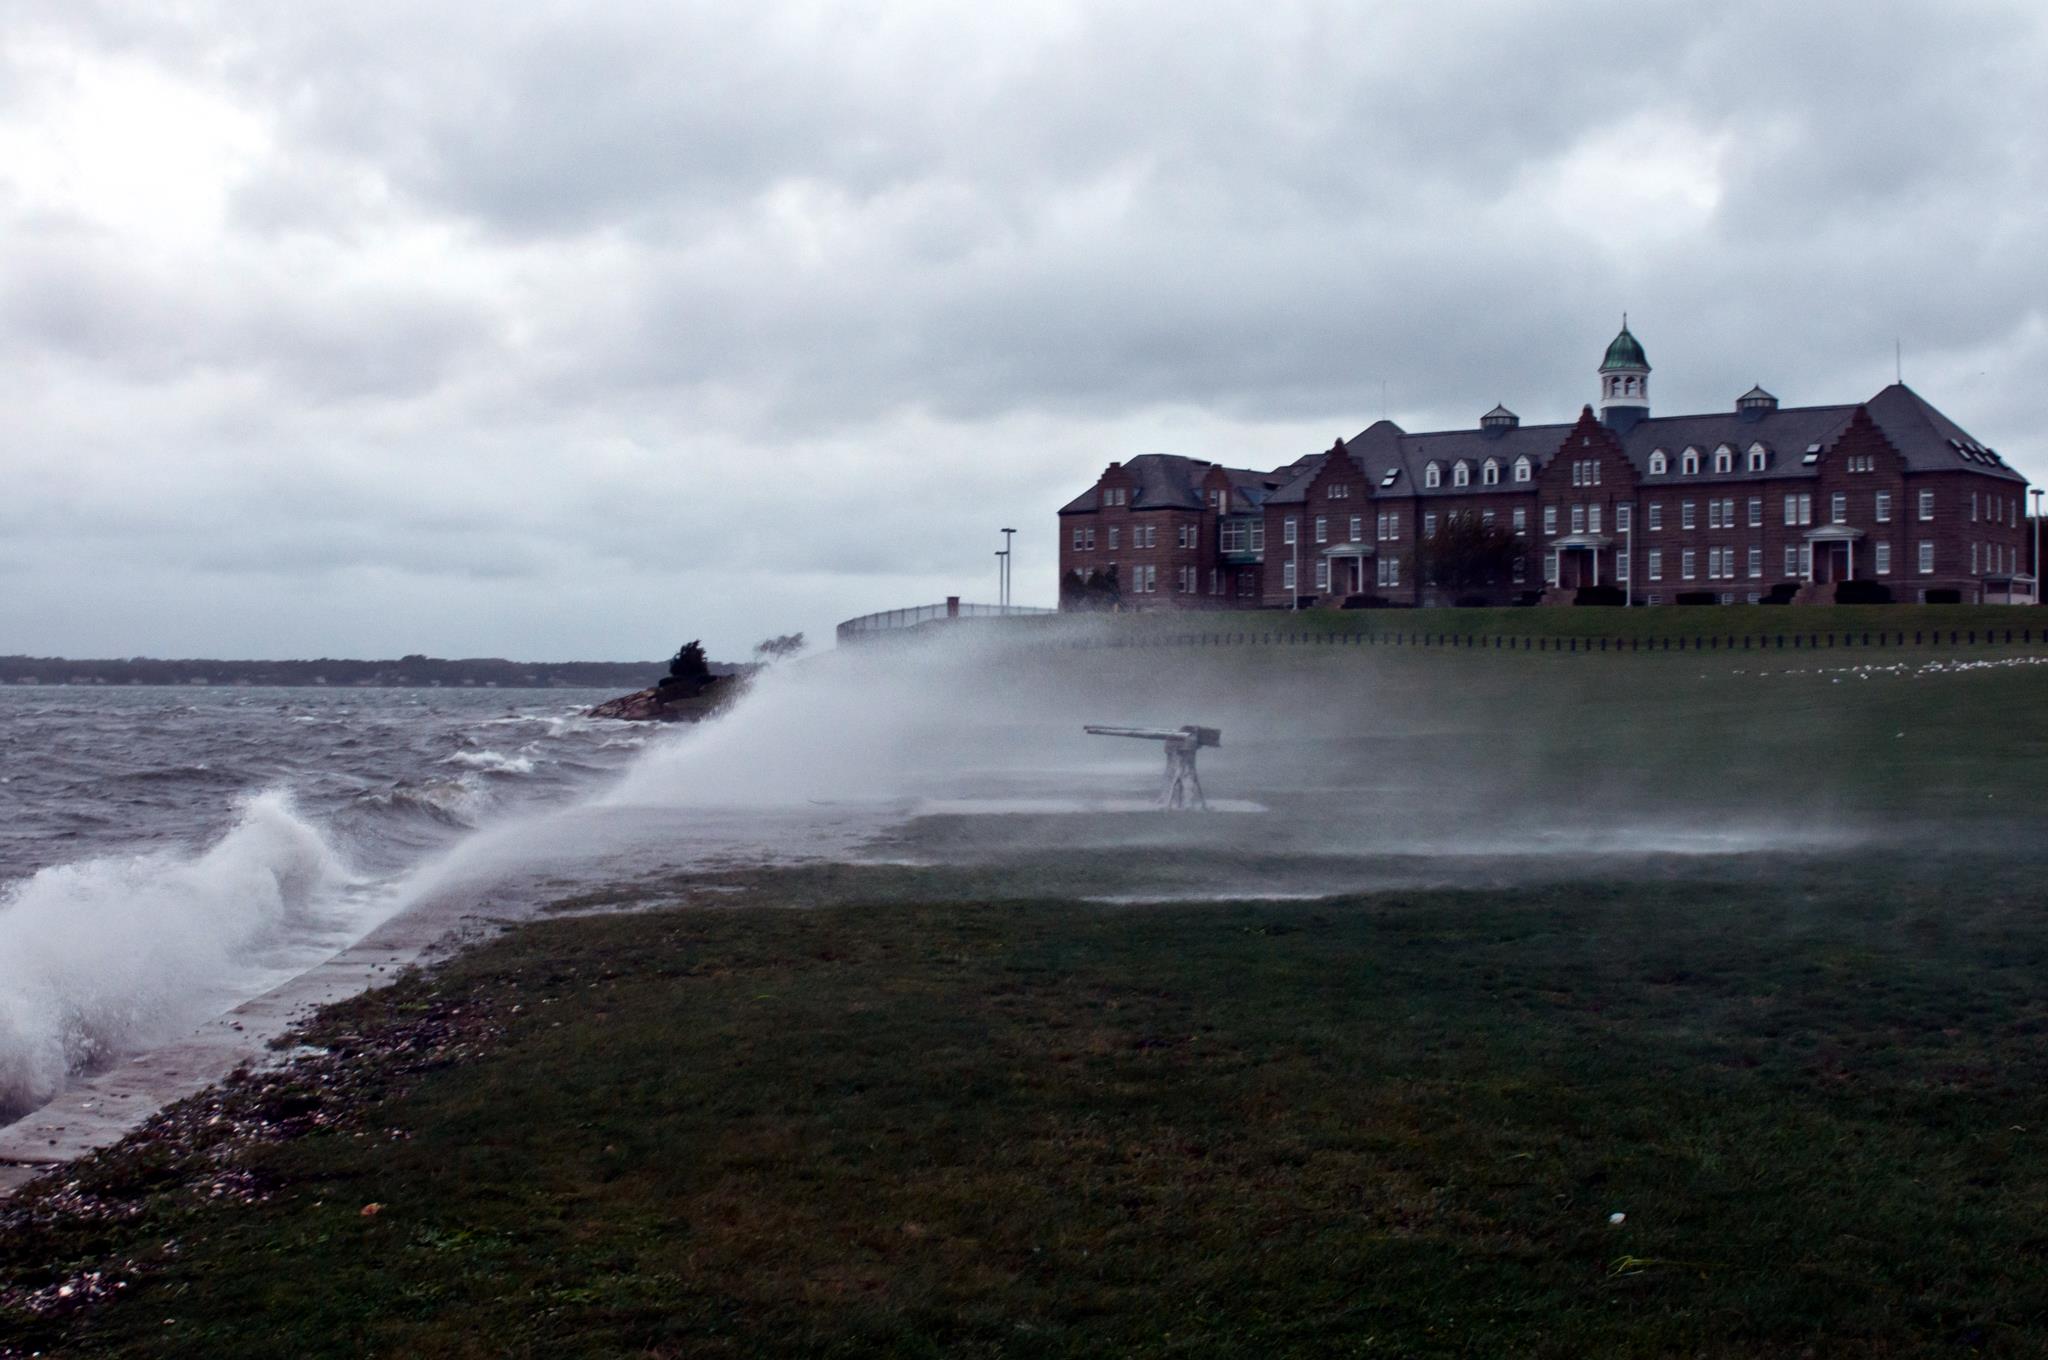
x,y
2037,544
1006,569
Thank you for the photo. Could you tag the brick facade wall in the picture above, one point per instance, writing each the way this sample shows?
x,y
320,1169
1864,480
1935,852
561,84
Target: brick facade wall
x,y
1969,512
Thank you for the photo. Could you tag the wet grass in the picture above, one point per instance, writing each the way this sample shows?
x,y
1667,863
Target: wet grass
x,y
1848,623
904,1122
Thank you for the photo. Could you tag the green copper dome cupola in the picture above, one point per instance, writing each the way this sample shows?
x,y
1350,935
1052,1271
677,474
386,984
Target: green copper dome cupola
x,y
1624,381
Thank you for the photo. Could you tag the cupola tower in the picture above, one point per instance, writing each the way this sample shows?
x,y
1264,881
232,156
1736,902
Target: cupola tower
x,y
1624,382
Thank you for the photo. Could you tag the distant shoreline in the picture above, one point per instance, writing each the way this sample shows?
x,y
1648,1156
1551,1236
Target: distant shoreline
x,y
410,672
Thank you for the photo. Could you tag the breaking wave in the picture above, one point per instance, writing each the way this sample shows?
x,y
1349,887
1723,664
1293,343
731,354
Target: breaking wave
x,y
109,955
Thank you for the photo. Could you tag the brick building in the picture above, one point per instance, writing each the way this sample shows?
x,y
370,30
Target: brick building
x,y
1727,505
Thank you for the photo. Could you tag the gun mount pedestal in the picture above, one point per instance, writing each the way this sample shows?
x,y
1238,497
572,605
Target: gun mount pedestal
x,y
1183,786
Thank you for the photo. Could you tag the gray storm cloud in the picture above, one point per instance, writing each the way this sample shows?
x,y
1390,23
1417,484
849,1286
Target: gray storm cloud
x,y
533,329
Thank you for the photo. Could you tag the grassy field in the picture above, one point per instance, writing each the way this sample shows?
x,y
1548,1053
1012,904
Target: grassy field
x,y
1391,1124
1666,621
958,1105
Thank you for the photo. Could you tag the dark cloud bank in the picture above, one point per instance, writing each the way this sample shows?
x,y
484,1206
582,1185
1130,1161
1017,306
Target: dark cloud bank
x,y
484,328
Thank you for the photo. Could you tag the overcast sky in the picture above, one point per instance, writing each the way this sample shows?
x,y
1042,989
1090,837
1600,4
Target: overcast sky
x,y
549,330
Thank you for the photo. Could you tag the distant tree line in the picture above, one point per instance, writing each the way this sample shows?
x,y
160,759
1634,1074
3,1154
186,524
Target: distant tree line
x,y
413,670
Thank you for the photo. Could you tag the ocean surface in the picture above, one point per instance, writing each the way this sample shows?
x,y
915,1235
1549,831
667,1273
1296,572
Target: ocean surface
x,y
165,852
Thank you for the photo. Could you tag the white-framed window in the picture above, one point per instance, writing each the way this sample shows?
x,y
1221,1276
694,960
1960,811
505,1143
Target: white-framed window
x,y
1660,463
1523,468
1759,458
1621,566
1322,573
1805,507
1259,535
1578,519
1973,507
1393,571
1322,529
1432,475
1791,559
1883,553
1151,535
1287,533
1550,567
1489,472
1926,558
1624,517
1393,525
1357,529
1112,537
1685,515
1461,473
1756,561
1974,568
1379,527
1806,560
1287,575
1838,507
1090,544
1689,462
1656,564
1926,505
1592,519
1151,580
1549,519
1714,514
1656,515
1428,523
1521,519
1686,562
1756,512
1724,459
1340,491
1077,538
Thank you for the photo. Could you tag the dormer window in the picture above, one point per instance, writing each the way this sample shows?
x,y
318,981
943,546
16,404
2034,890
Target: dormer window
x,y
1523,469
1489,472
1461,473
1724,459
1660,463
1432,475
1689,462
1759,457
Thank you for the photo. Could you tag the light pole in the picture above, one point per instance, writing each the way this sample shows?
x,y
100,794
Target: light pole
x,y
2037,544
1006,569
1002,575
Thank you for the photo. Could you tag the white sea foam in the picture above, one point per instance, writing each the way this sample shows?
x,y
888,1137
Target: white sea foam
x,y
492,762
106,956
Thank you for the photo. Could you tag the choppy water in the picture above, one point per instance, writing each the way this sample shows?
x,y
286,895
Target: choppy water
x,y
165,852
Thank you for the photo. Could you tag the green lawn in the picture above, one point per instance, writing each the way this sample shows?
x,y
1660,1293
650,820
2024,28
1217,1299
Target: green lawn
x,y
1664,621
1391,1124
945,1106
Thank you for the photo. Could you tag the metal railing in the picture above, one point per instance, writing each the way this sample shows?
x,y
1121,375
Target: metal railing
x,y
893,620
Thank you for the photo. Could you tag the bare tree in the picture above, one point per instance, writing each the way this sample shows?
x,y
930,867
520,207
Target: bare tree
x,y
776,648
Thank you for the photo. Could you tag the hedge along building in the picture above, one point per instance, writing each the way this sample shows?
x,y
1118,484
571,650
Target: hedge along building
x,y
1724,505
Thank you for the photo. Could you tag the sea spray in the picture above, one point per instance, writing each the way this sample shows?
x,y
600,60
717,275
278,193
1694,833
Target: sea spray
x,y
106,956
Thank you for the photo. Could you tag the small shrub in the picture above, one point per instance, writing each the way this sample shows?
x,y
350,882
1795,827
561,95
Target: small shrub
x,y
1600,595
1696,597
1863,592
1944,595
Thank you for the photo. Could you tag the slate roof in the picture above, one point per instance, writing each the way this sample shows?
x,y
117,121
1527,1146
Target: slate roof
x,y
1928,441
1171,481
